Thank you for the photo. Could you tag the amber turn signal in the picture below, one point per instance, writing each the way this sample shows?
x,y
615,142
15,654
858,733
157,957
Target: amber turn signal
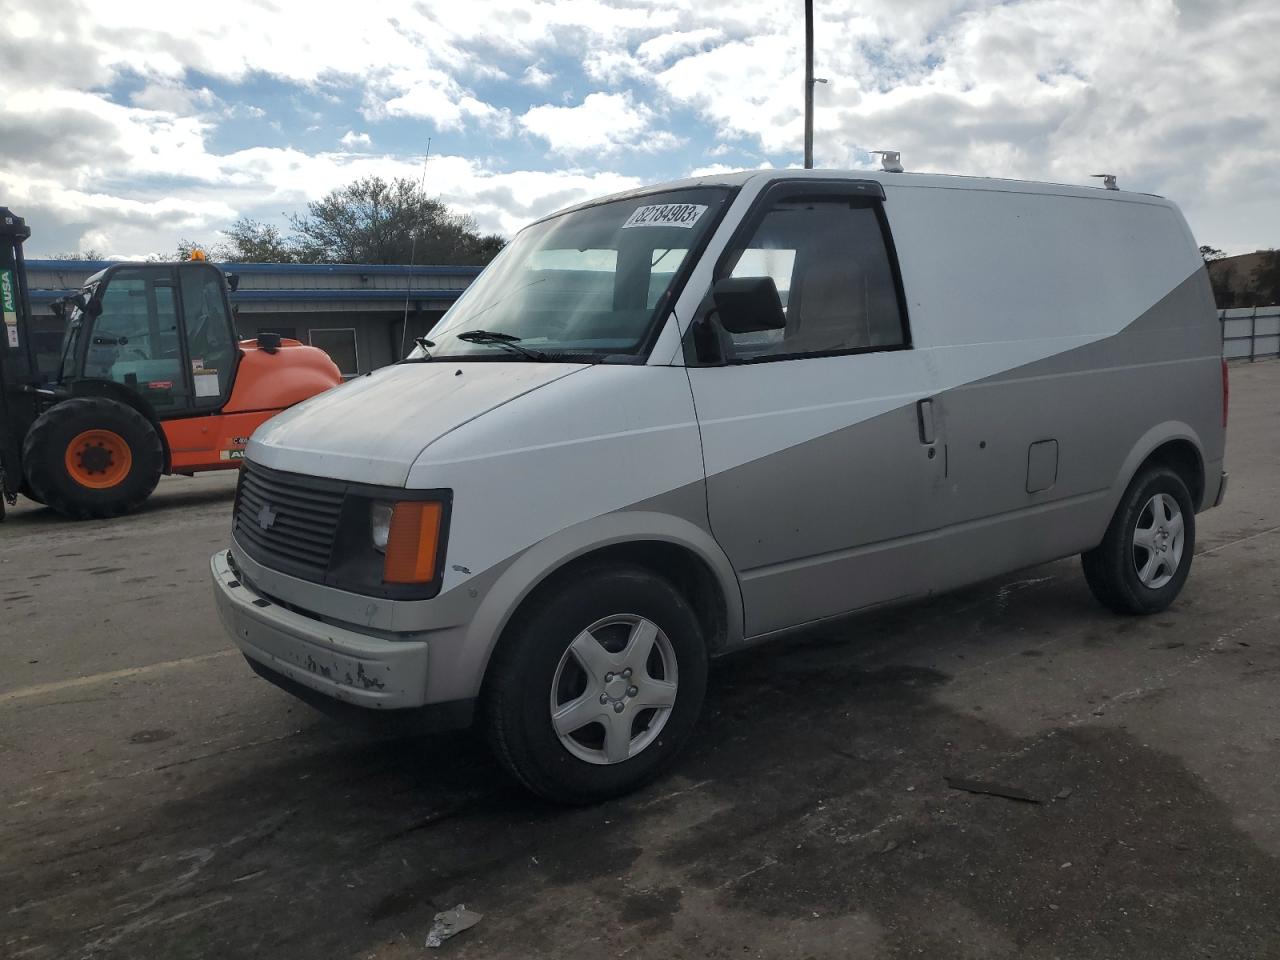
x,y
412,542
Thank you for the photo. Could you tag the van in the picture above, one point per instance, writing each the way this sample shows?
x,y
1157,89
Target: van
x,y
670,423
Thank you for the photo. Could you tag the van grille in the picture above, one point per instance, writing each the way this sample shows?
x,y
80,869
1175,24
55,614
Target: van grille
x,y
286,521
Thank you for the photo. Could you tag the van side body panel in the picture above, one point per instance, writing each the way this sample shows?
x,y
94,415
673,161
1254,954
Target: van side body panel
x,y
1085,399
1036,317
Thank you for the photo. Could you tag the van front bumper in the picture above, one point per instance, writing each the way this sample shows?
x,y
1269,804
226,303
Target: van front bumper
x,y
346,666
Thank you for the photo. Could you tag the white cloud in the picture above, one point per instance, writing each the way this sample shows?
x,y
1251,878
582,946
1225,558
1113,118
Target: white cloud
x,y
660,49
430,94
351,140
1174,95
263,181
173,98
603,123
535,76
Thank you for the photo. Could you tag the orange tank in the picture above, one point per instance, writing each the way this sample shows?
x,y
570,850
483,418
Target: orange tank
x,y
266,382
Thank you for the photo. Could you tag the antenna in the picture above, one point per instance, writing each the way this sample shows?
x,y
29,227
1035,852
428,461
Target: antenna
x,y
413,255
1108,180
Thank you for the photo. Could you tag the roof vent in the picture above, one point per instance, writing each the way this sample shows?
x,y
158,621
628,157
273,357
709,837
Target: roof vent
x,y
890,160
1108,180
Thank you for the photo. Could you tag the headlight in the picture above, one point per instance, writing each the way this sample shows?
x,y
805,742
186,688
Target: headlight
x,y
380,523
407,534
391,542
413,540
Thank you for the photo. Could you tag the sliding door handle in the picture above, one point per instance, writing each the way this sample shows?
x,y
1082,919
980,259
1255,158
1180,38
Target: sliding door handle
x,y
924,418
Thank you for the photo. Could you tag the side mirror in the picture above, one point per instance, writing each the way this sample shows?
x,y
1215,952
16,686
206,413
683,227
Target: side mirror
x,y
233,281
748,304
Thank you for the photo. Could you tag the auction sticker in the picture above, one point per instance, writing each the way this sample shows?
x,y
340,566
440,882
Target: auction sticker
x,y
666,215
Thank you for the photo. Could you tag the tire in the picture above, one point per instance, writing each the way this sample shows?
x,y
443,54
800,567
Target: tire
x,y
1122,572
30,494
601,619
91,458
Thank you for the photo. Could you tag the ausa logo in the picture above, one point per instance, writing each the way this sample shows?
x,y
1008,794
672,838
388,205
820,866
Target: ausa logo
x,y
267,517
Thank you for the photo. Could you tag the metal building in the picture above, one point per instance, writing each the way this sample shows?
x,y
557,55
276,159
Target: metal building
x,y
353,311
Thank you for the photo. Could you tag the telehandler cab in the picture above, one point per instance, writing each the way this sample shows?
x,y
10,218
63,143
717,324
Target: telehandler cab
x,y
152,380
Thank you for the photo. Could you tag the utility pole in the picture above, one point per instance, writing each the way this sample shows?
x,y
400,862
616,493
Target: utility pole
x,y
808,84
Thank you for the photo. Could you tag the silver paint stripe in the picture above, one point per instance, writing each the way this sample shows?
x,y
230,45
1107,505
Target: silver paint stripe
x,y
790,566
1000,380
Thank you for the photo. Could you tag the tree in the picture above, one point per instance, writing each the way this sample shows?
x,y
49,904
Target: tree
x,y
89,254
183,253
375,221
1266,279
368,221
1223,282
252,241
1210,253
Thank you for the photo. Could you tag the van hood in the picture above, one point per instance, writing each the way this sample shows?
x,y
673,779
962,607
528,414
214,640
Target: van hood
x,y
372,429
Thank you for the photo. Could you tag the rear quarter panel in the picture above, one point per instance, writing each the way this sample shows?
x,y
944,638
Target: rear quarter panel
x,y
1084,317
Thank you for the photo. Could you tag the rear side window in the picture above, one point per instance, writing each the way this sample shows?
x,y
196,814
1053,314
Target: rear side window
x,y
830,263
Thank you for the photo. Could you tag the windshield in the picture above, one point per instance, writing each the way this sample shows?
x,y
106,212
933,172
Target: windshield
x,y
588,284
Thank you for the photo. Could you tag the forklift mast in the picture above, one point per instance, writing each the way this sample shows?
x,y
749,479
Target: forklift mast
x,y
18,371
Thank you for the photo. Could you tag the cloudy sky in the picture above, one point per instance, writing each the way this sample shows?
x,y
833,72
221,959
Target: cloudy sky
x,y
126,126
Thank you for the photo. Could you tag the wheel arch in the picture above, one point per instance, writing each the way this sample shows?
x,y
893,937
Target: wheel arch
x,y
669,546
1173,444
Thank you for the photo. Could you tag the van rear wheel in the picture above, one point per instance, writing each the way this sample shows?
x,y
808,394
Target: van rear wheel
x,y
1143,561
598,687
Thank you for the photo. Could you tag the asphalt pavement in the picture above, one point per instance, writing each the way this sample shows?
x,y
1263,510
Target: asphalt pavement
x,y
159,800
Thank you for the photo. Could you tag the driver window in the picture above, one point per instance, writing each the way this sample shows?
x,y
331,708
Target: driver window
x,y
134,340
830,264
209,342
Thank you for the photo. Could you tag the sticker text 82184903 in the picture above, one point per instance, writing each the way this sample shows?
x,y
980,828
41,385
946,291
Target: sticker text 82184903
x,y
666,215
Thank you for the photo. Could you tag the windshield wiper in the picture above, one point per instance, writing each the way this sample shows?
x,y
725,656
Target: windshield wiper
x,y
505,340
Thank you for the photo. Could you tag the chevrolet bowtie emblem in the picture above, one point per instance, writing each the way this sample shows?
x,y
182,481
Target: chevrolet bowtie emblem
x,y
266,517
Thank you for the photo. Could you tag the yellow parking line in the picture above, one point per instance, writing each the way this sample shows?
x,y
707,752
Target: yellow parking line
x,y
22,693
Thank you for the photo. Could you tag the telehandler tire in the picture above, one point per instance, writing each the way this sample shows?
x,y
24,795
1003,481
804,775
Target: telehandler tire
x,y
92,458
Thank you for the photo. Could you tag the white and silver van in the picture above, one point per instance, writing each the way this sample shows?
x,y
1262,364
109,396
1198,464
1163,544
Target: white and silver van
x,y
669,423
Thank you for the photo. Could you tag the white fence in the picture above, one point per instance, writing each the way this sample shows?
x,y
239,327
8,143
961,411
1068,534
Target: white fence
x,y
1250,333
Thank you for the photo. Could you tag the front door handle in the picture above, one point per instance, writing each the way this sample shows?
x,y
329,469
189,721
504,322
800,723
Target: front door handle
x,y
924,418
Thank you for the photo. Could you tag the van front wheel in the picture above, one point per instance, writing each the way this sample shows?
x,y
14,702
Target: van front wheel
x,y
1142,563
598,687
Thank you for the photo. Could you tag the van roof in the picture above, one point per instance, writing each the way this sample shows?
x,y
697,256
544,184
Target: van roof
x,y
943,181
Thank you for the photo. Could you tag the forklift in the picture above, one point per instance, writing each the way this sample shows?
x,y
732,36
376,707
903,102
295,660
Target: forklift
x,y
151,380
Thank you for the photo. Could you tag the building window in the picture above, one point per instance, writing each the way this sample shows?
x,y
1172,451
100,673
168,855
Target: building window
x,y
340,345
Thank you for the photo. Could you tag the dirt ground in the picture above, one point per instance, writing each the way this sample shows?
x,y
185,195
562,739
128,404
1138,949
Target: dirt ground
x,y
158,800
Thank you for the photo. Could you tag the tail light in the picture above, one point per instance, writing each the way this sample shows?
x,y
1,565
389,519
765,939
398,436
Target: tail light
x,y
1226,393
